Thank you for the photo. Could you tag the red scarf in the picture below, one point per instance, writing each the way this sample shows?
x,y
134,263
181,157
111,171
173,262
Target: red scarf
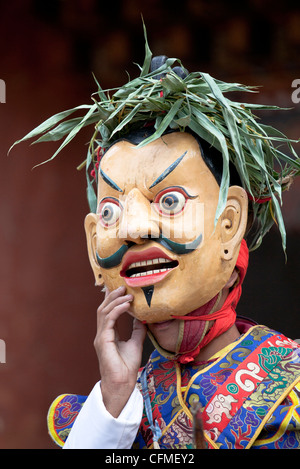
x,y
223,319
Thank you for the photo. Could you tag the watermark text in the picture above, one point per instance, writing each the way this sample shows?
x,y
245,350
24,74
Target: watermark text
x,y
2,91
121,221
296,92
2,351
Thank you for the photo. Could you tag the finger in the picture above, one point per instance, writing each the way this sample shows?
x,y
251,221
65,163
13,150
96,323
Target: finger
x,y
106,318
107,333
109,296
108,304
115,302
102,312
120,306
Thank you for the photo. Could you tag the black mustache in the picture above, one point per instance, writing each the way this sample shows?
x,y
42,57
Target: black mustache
x,y
177,248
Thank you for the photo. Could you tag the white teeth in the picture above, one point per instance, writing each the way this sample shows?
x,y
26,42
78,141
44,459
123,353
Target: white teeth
x,y
158,260
149,272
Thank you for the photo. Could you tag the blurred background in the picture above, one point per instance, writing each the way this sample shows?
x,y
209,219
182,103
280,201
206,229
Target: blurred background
x,y
48,51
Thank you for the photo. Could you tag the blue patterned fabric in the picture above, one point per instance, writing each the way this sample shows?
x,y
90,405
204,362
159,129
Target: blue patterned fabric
x,y
249,396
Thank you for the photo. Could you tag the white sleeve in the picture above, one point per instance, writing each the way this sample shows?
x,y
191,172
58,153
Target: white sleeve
x,y
96,428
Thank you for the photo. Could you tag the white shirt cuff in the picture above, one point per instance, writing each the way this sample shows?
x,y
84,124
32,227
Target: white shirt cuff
x,y
96,428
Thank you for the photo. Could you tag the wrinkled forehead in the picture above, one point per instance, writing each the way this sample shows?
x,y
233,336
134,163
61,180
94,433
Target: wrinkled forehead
x,y
173,158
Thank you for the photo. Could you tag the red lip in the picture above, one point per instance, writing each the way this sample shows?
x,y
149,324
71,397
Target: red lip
x,y
139,256
146,255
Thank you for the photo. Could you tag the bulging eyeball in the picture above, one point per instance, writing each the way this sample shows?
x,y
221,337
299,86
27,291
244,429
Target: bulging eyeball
x,y
171,201
109,211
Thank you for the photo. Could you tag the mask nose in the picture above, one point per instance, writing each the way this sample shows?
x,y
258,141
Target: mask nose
x,y
138,221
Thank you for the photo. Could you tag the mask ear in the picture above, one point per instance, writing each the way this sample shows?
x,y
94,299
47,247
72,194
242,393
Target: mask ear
x,y
233,222
90,224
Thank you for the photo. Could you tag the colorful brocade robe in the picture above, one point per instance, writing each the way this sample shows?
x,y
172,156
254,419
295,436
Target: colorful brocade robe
x,y
249,396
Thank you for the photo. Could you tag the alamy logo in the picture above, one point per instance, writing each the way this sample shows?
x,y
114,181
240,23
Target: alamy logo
x,y
296,93
2,91
2,351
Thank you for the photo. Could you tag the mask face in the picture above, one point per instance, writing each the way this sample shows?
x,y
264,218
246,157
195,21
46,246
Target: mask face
x,y
154,229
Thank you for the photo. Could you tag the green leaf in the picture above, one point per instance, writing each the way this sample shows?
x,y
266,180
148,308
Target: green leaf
x,y
157,104
127,119
148,55
72,134
173,83
184,121
91,197
91,194
209,132
101,93
49,123
64,128
164,123
216,91
102,113
235,139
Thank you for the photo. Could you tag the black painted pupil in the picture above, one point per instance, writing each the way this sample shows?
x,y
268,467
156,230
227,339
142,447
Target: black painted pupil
x,y
107,213
170,201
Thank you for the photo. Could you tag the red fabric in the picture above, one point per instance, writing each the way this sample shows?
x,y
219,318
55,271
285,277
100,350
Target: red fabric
x,y
263,200
224,318
193,328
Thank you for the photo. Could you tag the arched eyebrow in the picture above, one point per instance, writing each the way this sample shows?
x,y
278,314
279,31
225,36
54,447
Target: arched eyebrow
x,y
167,171
109,181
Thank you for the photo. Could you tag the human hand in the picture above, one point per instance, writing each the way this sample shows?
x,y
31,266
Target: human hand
x,y
119,361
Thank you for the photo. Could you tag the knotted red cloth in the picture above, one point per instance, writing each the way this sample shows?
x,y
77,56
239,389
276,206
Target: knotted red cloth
x,y
223,319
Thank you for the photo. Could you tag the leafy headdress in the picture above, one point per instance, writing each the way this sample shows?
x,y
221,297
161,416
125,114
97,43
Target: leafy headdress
x,y
193,101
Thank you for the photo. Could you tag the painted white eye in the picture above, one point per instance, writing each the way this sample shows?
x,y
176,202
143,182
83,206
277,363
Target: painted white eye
x,y
171,202
109,212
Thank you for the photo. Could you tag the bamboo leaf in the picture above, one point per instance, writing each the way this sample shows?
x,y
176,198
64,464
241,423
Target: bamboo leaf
x,y
127,119
173,83
101,93
64,128
216,91
239,154
72,134
205,129
164,124
91,194
49,123
148,54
